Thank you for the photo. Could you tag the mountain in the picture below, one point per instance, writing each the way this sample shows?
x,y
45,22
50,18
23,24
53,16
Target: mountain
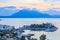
x,y
55,13
55,16
7,10
52,12
28,13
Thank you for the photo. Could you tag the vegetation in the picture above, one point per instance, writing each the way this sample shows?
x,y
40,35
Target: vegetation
x,y
48,27
23,38
43,25
3,38
10,31
33,39
43,37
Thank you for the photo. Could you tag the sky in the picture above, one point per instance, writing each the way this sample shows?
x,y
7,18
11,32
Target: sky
x,y
43,5
39,4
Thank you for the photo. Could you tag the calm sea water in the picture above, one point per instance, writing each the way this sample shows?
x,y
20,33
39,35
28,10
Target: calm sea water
x,y
19,22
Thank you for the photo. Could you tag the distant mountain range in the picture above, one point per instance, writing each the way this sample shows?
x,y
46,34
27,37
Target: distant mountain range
x,y
7,10
27,13
52,12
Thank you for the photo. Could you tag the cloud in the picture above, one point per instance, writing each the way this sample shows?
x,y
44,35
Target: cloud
x,y
52,1
39,4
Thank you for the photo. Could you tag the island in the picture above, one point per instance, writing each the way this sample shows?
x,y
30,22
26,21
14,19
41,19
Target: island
x,y
48,27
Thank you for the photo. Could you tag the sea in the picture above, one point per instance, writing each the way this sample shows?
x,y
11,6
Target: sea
x,y
19,22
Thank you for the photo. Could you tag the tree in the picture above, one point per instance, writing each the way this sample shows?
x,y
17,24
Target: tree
x,y
33,39
43,37
23,38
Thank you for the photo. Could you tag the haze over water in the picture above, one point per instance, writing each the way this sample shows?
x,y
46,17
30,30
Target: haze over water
x,y
19,22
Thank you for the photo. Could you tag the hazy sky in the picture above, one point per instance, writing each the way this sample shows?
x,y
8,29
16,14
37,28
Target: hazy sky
x,y
39,4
